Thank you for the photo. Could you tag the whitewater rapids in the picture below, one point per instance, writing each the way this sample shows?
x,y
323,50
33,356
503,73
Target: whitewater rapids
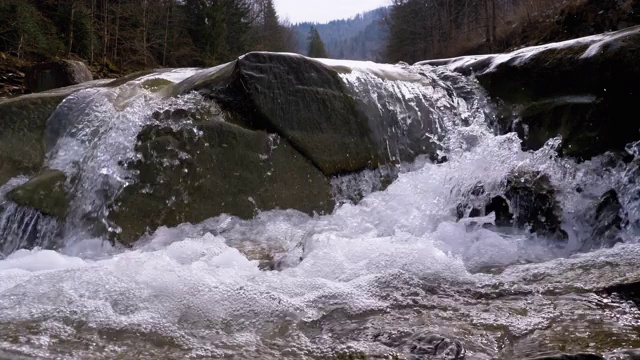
x,y
371,278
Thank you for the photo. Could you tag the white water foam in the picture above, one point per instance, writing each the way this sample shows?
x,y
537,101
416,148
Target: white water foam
x,y
202,287
185,281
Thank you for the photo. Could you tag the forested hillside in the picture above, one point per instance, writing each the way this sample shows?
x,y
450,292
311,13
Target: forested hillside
x,y
141,33
115,37
362,37
427,29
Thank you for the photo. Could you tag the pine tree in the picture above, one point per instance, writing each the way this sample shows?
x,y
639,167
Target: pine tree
x,y
315,44
271,28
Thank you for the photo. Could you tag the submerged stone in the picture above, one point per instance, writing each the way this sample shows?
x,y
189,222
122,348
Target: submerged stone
x,y
526,200
45,192
629,291
432,346
608,221
582,356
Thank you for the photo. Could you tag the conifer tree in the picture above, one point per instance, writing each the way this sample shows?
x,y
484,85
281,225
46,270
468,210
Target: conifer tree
x,y
315,44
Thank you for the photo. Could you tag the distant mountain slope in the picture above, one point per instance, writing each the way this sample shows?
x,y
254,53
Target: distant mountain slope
x,y
362,37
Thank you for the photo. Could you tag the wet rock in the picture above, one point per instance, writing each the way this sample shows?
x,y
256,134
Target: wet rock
x,y
307,103
527,199
549,95
609,221
202,169
22,129
533,202
434,347
583,356
629,291
475,199
500,207
22,126
53,75
629,354
45,192
319,118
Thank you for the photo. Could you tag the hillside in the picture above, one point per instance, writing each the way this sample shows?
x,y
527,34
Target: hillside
x,y
362,37
428,29
567,19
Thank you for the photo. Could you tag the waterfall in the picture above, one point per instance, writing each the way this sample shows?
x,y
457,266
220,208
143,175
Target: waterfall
x,y
392,271
23,227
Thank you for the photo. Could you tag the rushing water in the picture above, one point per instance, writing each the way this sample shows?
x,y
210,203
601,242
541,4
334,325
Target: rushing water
x,y
376,278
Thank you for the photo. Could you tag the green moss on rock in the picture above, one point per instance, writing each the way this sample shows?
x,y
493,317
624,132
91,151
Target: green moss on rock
x,y
210,168
45,192
22,125
157,84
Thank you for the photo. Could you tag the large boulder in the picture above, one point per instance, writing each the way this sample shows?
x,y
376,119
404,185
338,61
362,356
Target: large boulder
x,y
302,100
193,167
44,192
341,126
57,74
582,90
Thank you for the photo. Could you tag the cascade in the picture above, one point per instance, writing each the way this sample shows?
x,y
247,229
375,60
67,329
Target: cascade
x,y
392,270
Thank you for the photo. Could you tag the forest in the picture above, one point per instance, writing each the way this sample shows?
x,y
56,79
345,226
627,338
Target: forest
x,y
428,29
362,37
142,33
126,35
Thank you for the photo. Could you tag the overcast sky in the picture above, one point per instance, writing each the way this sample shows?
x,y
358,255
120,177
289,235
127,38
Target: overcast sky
x,y
324,10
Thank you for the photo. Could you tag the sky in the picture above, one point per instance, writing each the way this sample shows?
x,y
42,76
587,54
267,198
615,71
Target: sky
x,y
322,11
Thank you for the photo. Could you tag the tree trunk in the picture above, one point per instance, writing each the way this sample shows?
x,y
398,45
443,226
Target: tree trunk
x,y
144,32
20,46
166,32
487,20
91,32
115,40
493,22
70,32
105,31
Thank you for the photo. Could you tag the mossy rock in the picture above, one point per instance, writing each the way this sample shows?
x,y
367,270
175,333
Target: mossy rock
x,y
209,168
157,84
22,126
23,121
45,192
